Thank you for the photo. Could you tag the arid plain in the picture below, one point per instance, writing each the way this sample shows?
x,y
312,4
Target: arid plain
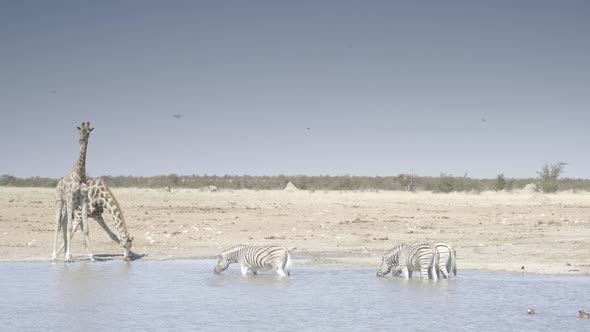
x,y
490,230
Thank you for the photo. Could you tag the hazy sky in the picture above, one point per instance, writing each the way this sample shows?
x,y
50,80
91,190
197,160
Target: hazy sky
x,y
384,86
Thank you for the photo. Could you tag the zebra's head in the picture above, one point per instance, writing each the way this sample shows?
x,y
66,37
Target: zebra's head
x,y
389,260
222,264
385,267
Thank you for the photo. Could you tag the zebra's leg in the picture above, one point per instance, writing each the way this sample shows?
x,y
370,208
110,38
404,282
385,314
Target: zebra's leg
x,y
406,273
254,271
425,272
445,273
281,272
244,269
410,273
433,272
448,268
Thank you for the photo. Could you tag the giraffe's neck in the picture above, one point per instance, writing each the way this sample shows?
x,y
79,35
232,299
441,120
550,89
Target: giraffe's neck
x,y
79,170
113,207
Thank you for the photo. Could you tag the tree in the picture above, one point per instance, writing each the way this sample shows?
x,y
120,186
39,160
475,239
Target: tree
x,y
548,176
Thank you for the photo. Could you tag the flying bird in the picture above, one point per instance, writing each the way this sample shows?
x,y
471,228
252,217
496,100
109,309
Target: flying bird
x,y
484,118
178,116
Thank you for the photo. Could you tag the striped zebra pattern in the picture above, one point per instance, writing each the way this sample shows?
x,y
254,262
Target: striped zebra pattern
x,y
446,259
255,258
389,260
405,259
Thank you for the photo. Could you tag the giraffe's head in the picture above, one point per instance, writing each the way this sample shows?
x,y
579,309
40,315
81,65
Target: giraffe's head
x,y
126,245
84,132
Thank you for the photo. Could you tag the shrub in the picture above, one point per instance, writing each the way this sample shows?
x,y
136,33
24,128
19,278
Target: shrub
x,y
548,176
407,182
445,184
500,183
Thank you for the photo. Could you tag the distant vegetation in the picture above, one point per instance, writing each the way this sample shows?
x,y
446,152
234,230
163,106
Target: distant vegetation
x,y
12,181
445,183
548,175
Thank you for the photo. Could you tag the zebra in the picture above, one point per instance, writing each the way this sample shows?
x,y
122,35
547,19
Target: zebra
x,y
447,257
389,260
405,259
256,258
213,189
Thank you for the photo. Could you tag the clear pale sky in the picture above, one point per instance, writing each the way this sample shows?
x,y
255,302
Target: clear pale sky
x,y
384,86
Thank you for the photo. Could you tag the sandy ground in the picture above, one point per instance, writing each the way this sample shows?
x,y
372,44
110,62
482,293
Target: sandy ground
x,y
491,231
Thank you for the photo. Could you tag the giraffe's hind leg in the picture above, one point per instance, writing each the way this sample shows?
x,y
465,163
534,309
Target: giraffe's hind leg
x,y
86,230
59,206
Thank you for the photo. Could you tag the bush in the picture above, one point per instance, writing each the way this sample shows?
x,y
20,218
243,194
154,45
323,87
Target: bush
x,y
500,183
548,176
407,182
445,184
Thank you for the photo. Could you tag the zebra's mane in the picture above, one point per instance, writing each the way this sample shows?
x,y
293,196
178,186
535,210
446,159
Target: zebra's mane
x,y
395,250
232,250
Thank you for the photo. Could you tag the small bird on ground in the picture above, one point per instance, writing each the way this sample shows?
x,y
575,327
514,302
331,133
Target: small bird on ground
x,y
583,314
531,311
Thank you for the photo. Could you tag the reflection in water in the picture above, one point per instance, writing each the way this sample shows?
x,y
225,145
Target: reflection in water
x,y
186,295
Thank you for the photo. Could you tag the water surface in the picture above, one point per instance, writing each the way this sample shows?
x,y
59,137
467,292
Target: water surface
x,y
186,295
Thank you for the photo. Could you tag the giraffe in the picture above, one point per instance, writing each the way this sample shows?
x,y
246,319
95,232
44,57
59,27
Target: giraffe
x,y
71,194
99,199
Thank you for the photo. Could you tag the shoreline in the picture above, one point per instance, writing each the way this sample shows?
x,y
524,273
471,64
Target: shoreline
x,y
344,262
548,234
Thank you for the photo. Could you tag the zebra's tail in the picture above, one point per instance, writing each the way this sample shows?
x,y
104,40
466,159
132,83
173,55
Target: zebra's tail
x,y
288,262
454,261
434,267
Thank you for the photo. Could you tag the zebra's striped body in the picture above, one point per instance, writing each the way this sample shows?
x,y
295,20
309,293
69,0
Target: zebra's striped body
x,y
255,258
446,259
406,259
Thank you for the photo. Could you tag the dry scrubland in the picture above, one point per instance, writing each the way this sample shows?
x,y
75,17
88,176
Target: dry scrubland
x,y
491,231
